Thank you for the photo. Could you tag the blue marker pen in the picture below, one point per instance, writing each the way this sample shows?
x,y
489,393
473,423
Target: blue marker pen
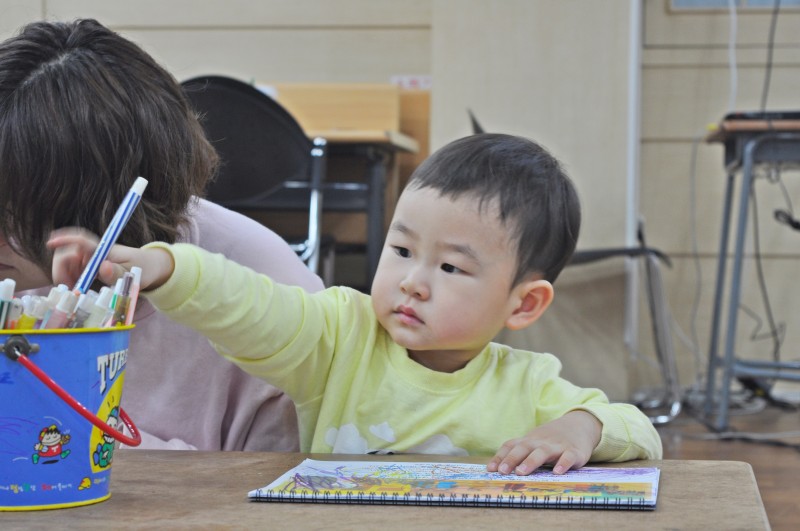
x,y
118,222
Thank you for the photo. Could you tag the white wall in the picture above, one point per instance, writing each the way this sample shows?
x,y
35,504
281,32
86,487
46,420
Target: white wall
x,y
290,41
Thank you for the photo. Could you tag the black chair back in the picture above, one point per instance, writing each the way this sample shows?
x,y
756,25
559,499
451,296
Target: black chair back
x,y
260,144
267,161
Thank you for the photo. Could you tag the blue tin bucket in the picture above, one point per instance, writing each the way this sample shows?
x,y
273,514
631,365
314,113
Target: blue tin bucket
x,y
60,415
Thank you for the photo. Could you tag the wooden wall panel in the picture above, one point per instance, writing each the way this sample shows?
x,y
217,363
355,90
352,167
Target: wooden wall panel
x,y
16,13
680,101
701,29
365,41
552,71
295,14
555,72
313,55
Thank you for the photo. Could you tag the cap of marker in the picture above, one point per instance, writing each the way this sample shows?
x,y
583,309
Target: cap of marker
x,y
6,295
86,300
104,298
67,302
54,296
100,311
137,274
139,185
7,288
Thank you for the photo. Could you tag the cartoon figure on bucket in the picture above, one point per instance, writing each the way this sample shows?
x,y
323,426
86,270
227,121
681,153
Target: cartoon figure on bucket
x,y
50,445
104,454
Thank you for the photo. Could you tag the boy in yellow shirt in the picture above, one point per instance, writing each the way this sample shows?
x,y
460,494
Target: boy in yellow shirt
x,y
478,236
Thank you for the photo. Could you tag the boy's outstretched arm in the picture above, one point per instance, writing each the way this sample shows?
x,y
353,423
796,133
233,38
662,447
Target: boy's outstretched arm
x,y
566,442
74,247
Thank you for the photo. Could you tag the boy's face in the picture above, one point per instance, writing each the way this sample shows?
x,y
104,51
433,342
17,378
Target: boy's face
x,y
443,284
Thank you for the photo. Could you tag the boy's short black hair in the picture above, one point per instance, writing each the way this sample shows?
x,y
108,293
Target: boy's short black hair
x,y
536,199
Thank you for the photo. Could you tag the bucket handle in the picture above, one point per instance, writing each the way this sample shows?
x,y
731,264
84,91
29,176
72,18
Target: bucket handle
x,y
15,347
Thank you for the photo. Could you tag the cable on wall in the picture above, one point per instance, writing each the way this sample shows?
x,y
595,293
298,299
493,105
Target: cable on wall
x,y
770,47
733,71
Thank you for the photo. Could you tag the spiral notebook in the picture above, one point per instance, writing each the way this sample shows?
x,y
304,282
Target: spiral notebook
x,y
459,484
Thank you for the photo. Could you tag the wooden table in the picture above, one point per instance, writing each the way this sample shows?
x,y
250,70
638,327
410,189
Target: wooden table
x,y
182,489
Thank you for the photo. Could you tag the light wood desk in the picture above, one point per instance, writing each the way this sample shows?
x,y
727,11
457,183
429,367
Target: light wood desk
x,y
378,148
360,121
182,489
371,190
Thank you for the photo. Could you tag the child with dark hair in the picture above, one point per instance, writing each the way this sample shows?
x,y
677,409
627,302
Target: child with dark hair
x,y
479,234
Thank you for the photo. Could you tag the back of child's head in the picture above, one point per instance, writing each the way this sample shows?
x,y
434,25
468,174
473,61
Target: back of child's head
x,y
83,112
536,199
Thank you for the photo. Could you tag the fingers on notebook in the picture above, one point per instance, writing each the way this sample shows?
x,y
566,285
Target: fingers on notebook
x,y
520,457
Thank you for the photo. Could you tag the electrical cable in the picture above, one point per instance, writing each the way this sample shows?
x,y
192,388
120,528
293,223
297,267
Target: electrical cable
x,y
779,181
733,71
773,329
770,47
692,342
699,366
732,94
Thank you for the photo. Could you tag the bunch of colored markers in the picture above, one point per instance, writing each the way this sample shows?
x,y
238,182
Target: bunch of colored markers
x,y
80,307
65,308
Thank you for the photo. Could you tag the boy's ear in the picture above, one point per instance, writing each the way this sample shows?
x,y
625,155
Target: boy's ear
x,y
532,298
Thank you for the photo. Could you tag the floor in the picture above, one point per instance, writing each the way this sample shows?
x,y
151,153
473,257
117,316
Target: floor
x,y
773,450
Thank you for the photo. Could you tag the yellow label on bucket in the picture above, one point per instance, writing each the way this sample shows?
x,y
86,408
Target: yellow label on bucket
x,y
101,446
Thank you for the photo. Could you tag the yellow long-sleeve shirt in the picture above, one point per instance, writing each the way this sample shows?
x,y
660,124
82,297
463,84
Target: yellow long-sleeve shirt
x,y
357,391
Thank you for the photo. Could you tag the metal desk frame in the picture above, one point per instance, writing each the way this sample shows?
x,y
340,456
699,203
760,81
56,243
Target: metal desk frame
x,y
744,149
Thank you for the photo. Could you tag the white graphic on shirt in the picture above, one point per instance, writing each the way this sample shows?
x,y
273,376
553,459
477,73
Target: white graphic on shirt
x,y
383,431
348,440
438,444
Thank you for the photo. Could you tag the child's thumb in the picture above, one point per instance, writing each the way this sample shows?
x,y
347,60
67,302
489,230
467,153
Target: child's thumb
x,y
109,272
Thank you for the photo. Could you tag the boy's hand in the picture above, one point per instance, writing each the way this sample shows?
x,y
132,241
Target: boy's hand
x,y
566,442
74,247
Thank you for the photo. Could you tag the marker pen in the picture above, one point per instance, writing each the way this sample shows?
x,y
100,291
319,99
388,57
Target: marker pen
x,y
115,295
100,310
50,303
83,309
63,311
14,314
7,287
122,301
40,309
116,225
27,320
137,279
